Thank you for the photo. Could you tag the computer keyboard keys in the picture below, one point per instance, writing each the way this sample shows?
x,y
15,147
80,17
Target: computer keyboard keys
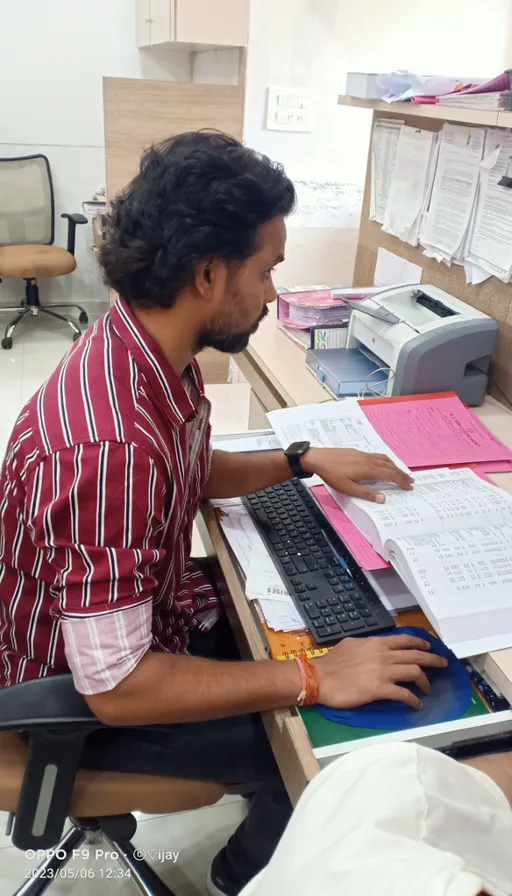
x,y
354,614
365,614
353,625
330,620
332,631
312,611
342,617
326,611
299,564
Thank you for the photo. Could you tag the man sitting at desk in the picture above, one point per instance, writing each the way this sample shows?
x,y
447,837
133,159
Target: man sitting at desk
x,y
103,477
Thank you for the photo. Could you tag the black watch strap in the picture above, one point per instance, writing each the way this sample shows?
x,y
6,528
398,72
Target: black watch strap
x,y
294,455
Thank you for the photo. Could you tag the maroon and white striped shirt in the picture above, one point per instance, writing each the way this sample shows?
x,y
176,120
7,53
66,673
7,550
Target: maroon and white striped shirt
x,y
99,488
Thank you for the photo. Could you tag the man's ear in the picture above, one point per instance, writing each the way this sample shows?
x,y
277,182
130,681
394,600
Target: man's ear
x,y
210,279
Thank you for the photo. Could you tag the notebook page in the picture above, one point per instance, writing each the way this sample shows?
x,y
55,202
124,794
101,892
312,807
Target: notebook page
x,y
463,580
441,501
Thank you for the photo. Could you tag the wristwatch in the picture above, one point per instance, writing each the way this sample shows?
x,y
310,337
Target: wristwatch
x,y
293,455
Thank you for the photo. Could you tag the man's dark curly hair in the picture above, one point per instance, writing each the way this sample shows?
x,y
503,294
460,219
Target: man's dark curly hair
x,y
197,196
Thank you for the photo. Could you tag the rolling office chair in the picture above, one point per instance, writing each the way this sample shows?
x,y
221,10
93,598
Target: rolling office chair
x,y
41,786
27,230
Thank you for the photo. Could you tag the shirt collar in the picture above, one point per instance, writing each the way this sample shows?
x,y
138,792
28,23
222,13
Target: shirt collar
x,y
165,383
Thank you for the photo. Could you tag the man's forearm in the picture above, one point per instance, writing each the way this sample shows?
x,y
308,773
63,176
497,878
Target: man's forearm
x,y
166,689
234,474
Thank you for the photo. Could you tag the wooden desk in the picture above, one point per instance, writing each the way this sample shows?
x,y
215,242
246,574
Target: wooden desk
x,y
275,368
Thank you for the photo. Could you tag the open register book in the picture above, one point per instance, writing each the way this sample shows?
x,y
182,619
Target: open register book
x,y
450,540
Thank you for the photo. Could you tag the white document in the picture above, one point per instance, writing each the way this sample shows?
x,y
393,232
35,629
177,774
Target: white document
x,y
409,184
260,442
490,246
391,269
463,582
392,590
454,190
245,541
337,424
263,579
384,146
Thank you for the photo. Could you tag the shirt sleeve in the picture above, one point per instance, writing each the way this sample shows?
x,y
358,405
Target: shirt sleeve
x,y
98,512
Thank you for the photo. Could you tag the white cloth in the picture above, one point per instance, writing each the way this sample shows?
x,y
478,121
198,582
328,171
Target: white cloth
x,y
394,820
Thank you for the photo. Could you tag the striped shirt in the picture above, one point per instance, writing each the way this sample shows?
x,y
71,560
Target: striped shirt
x,y
99,488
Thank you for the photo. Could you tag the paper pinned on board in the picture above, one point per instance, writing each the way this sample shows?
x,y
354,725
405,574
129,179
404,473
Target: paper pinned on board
x,y
454,190
384,146
409,185
391,269
490,246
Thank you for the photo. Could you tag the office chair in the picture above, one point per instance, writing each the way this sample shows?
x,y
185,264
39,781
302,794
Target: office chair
x,y
41,785
27,230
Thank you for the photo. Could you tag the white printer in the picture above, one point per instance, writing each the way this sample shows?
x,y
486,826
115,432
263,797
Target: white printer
x,y
430,341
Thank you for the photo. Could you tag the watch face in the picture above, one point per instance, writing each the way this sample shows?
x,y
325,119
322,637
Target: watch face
x,y
298,448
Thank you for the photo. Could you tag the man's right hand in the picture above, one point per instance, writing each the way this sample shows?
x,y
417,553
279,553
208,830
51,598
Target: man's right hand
x,y
358,671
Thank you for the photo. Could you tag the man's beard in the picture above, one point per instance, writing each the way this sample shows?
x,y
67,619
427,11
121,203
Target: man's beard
x,y
224,341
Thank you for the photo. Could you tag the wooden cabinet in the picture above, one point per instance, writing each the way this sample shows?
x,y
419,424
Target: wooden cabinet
x,y
216,23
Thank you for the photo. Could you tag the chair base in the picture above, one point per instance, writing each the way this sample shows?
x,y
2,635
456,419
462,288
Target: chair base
x,y
32,305
84,831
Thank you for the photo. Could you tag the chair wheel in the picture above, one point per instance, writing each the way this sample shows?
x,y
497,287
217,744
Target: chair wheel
x,y
7,342
83,318
76,336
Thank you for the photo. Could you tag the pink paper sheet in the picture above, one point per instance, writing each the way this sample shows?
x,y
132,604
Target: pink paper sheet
x,y
435,432
357,544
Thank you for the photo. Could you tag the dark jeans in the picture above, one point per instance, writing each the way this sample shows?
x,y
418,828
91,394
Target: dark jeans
x,y
232,751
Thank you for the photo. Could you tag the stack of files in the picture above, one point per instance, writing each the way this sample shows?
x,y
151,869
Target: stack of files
x,y
411,184
446,228
494,94
499,100
301,310
489,249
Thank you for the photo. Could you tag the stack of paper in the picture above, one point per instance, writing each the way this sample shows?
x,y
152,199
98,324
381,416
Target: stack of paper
x,y
498,99
490,246
263,582
411,183
446,227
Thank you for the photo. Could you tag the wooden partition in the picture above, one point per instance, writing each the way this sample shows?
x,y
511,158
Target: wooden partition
x,y
139,112
492,297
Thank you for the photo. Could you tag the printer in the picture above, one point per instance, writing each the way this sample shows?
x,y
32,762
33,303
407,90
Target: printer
x,y
429,340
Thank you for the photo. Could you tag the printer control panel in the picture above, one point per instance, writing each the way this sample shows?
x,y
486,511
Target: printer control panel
x,y
435,306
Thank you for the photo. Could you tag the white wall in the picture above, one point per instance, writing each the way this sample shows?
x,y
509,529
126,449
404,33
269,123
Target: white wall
x,y
53,55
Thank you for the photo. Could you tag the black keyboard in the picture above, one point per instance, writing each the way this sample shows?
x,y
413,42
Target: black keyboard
x,y
326,584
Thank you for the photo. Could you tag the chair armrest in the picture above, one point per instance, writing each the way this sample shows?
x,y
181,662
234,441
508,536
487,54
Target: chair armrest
x,y
44,703
57,721
73,220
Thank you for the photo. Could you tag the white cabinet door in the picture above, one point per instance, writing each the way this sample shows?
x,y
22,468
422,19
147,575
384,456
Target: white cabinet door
x,y
219,22
161,28
142,22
